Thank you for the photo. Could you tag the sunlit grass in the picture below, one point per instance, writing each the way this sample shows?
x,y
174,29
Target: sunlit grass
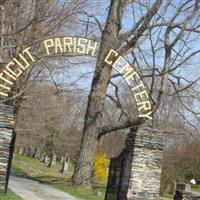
x,y
166,197
35,169
9,196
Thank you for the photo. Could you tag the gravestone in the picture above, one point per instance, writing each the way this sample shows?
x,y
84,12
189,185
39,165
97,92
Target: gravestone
x,y
46,159
37,153
42,158
65,165
183,192
52,160
183,187
27,151
32,152
7,140
135,173
21,151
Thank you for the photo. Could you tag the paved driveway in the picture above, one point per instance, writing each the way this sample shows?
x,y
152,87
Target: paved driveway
x,y
33,190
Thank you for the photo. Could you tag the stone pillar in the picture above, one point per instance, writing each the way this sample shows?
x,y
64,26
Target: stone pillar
x,y
135,174
144,182
7,140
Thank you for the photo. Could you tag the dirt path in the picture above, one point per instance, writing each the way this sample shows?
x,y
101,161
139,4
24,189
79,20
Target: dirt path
x,y
33,190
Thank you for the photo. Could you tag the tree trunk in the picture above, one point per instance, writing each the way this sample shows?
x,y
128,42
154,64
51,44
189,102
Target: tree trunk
x,y
84,169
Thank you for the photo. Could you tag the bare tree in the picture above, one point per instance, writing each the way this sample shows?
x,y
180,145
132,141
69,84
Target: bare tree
x,y
159,28
25,23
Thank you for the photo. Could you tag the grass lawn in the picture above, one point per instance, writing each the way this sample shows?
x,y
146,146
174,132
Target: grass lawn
x,y
195,188
34,169
166,197
9,196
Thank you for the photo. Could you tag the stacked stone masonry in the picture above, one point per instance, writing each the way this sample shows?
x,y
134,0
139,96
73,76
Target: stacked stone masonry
x,y
6,135
135,174
144,182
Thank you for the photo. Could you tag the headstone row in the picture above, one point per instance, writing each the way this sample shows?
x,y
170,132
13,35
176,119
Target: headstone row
x,y
30,151
49,160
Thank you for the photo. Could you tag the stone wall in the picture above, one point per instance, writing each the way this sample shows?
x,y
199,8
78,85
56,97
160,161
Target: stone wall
x,y
7,137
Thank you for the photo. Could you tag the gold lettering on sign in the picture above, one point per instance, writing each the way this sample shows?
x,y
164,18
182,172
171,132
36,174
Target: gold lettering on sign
x,y
91,47
70,45
27,51
132,76
18,65
140,86
5,80
126,69
5,84
48,44
119,63
58,46
74,45
14,74
81,45
14,69
134,81
67,43
25,60
108,57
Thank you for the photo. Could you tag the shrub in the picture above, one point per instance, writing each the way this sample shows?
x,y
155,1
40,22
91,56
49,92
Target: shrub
x,y
101,164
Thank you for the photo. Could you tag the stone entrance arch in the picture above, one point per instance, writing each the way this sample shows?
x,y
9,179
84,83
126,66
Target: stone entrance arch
x,y
63,45
75,46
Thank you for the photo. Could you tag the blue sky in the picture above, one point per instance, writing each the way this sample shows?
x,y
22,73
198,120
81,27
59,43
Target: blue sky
x,y
100,10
